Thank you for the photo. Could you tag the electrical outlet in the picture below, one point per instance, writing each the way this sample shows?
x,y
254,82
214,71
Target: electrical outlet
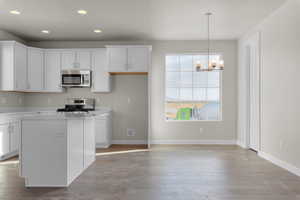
x,y
49,100
201,130
128,100
131,132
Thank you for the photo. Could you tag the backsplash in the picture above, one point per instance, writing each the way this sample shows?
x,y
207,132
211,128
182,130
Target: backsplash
x,y
12,99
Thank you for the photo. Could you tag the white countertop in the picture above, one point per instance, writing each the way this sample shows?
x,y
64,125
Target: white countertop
x,y
46,113
60,116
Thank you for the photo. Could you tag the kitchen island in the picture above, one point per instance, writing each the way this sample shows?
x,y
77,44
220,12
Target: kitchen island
x,y
55,148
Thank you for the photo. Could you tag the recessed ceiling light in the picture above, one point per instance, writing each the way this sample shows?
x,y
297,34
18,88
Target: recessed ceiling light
x,y
45,31
15,12
82,12
97,31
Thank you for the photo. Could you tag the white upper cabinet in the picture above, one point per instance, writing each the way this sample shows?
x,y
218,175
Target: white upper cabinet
x,y
117,59
101,78
35,69
83,59
13,65
138,59
20,67
78,59
52,71
29,69
128,58
68,58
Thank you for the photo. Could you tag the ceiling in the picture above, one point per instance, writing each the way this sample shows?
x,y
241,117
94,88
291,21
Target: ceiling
x,y
132,19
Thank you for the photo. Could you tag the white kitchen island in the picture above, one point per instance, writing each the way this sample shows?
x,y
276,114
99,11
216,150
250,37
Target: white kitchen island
x,y
56,148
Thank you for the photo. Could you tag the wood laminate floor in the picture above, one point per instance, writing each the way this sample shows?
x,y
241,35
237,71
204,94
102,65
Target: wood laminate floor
x,y
165,173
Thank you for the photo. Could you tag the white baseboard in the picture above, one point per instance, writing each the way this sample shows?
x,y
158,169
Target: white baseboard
x,y
217,142
129,142
241,144
100,146
291,168
9,155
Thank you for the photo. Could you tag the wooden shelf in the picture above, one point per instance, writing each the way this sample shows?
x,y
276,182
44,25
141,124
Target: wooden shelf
x,y
128,73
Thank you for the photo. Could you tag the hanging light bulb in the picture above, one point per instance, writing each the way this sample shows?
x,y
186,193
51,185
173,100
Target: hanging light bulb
x,y
199,65
221,66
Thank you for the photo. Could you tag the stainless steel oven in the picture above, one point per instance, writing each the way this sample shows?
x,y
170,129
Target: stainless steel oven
x,y
76,78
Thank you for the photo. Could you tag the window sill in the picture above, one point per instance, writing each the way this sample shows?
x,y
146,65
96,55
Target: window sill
x,y
193,121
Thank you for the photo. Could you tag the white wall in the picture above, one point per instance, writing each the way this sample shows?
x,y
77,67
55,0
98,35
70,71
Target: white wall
x,y
189,132
280,63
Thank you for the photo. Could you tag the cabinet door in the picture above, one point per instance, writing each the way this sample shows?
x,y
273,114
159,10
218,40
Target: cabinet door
x,y
4,142
83,59
89,142
44,152
101,78
15,132
20,67
35,67
7,76
138,59
102,132
68,60
52,71
117,59
76,148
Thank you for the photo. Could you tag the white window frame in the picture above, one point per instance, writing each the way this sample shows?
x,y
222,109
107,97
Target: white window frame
x,y
220,88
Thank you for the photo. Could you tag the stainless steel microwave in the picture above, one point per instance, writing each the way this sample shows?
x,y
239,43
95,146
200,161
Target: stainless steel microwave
x,y
76,78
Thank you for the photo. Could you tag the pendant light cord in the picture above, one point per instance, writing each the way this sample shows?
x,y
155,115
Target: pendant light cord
x,y
208,38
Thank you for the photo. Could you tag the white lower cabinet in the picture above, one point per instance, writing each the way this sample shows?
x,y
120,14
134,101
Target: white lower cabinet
x,y
9,143
15,131
89,142
103,130
4,143
43,153
75,148
61,151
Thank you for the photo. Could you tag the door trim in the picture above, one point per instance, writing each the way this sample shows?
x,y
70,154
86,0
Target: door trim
x,y
255,39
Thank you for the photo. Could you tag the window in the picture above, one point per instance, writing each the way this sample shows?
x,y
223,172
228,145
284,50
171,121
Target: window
x,y
191,94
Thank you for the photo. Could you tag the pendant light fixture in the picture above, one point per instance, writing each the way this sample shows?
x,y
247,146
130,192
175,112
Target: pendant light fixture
x,y
212,65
